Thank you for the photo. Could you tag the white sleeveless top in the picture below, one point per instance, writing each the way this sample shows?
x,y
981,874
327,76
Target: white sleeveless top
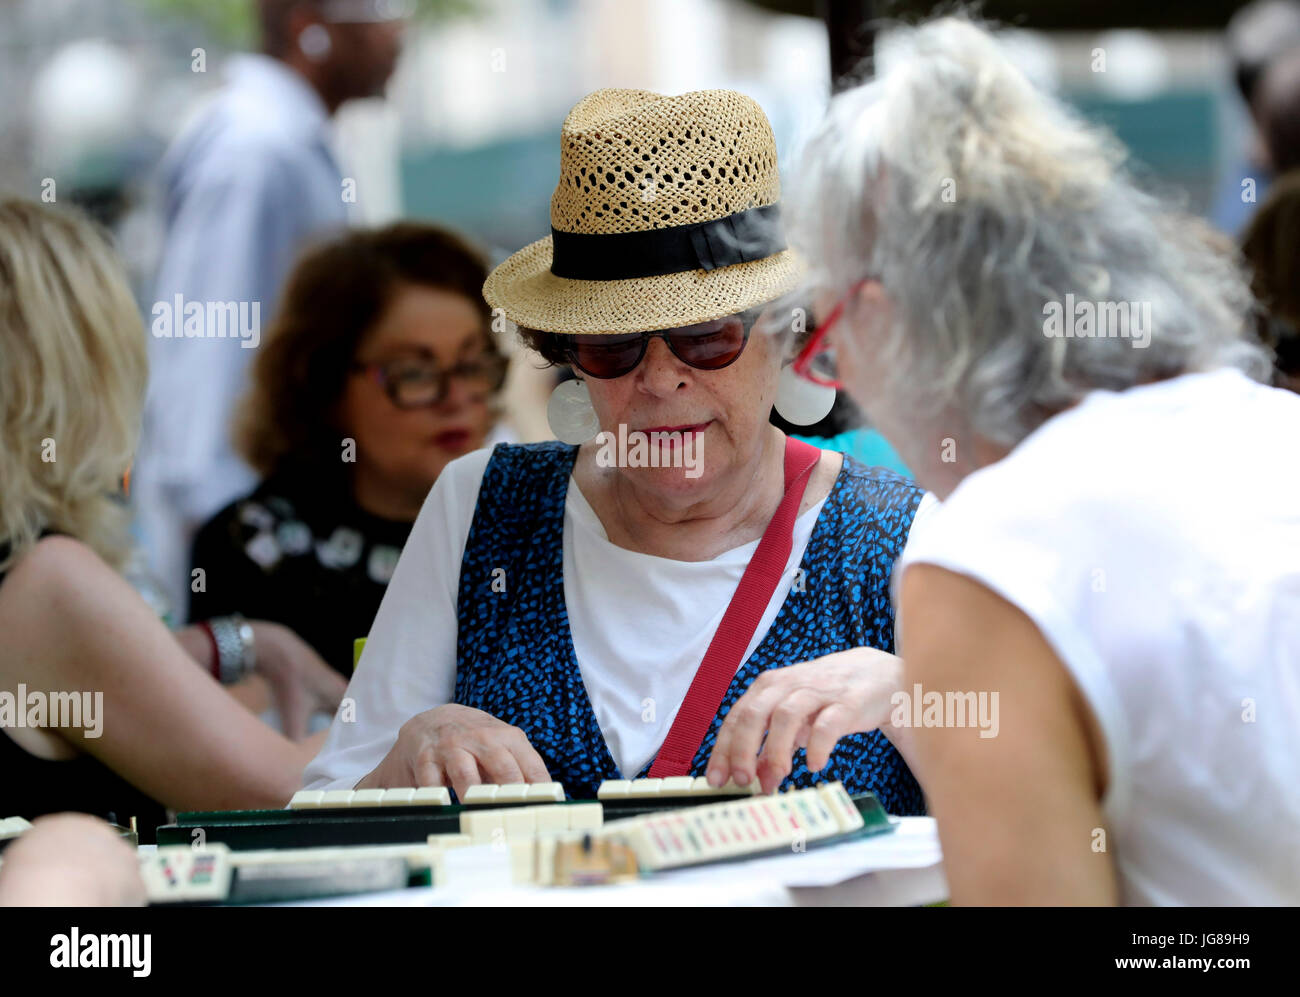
x,y
1153,536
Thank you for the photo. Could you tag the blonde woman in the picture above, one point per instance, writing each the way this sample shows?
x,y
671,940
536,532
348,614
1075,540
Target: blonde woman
x,y
101,709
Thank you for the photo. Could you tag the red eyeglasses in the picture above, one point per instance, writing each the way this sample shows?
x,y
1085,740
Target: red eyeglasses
x,y
816,361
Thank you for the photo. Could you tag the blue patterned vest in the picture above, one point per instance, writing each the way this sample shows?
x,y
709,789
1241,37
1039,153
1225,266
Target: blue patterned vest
x,y
515,657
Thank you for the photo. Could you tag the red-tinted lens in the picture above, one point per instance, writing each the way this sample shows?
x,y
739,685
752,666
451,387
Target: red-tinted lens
x,y
706,346
606,356
709,345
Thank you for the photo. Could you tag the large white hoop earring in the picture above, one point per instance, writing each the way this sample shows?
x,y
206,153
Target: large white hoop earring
x,y
570,414
801,402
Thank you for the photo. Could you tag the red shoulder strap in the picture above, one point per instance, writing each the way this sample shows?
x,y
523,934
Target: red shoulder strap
x,y
757,584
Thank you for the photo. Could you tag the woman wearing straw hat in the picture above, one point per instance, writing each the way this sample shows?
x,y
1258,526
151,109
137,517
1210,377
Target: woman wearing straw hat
x,y
596,609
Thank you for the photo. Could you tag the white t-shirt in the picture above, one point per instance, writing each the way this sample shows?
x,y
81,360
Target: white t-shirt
x,y
1153,536
640,624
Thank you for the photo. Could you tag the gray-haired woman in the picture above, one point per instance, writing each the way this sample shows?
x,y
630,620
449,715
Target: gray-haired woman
x,y
1114,572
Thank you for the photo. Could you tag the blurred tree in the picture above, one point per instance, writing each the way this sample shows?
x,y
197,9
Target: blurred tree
x,y
233,21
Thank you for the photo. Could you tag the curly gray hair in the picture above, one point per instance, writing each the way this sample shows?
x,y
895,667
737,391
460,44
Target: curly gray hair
x,y
978,201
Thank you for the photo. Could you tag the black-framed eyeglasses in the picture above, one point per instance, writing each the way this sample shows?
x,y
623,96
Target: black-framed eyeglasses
x,y
704,346
418,383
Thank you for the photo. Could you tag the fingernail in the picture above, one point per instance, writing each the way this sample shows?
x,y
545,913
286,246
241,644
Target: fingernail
x,y
740,778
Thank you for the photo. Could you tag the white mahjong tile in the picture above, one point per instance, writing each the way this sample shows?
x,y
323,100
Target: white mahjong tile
x,y
449,840
676,785
841,804
523,862
748,828
769,809
553,818
512,792
544,859
743,839
816,822
700,786
613,788
481,825
674,829
707,845
828,823
793,825
764,827
692,850
720,823
333,799
519,823
398,797
644,787
661,834
585,816
366,797
649,854
11,827
306,799
483,793
546,792
431,796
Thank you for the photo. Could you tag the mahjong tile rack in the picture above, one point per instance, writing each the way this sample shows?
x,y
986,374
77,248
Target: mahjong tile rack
x,y
406,816
644,829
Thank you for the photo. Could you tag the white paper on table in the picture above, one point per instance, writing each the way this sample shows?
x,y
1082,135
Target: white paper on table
x,y
913,844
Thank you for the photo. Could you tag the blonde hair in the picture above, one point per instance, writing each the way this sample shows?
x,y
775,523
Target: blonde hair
x,y
73,371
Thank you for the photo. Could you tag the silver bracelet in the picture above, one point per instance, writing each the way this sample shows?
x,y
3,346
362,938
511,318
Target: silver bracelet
x,y
236,656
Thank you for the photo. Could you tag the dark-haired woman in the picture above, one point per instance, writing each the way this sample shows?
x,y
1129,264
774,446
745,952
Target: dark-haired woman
x,y
379,370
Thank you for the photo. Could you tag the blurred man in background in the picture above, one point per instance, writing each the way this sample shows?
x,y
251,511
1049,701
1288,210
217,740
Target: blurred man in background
x,y
246,185
1258,34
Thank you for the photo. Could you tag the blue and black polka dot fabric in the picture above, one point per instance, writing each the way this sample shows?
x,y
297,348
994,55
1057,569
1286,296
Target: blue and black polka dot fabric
x,y
515,656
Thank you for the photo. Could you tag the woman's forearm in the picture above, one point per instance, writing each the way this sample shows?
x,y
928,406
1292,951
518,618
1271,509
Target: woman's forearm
x,y
194,639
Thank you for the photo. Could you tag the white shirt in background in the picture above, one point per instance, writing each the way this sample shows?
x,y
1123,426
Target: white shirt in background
x,y
1153,537
246,186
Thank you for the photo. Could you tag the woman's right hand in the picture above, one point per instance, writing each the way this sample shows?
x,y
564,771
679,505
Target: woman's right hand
x,y
459,747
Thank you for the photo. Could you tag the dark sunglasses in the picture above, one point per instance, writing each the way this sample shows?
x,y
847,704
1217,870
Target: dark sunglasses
x,y
704,346
412,384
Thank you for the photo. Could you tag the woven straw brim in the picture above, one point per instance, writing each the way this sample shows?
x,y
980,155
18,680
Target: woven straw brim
x,y
524,288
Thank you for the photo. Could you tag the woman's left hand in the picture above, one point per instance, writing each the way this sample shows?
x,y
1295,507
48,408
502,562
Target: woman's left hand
x,y
302,684
809,705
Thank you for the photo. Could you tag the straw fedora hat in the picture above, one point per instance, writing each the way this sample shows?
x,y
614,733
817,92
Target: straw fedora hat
x,y
666,214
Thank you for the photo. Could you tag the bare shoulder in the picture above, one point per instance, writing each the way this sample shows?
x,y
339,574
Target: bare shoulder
x,y
57,588
58,567
57,601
